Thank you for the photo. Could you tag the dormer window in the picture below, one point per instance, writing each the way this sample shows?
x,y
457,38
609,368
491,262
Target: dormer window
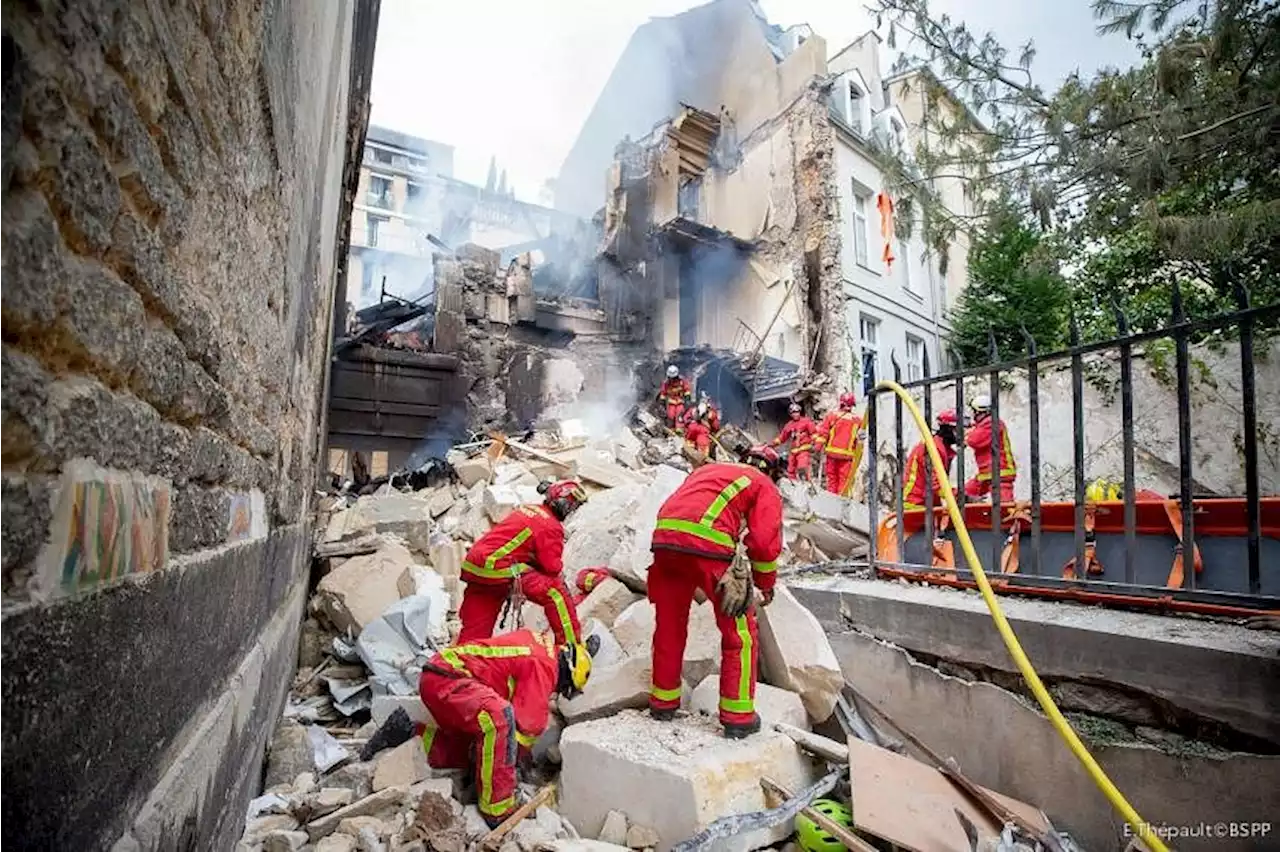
x,y
854,114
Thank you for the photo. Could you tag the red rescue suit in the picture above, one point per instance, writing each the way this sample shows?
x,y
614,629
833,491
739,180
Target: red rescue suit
x,y
920,474
838,439
698,434
586,581
526,546
800,433
979,439
674,395
489,700
693,544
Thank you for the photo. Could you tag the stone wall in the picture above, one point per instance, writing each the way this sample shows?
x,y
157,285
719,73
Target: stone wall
x,y
173,196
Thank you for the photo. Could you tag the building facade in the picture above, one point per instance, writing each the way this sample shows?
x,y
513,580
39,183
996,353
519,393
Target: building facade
x,y
409,206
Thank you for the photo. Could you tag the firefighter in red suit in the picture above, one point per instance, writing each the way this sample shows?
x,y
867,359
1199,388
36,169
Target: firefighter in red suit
x,y
489,700
527,547
837,439
586,580
674,396
919,471
980,439
700,424
694,544
799,431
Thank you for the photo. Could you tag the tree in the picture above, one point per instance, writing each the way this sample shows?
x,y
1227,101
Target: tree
x,y
1167,169
1014,284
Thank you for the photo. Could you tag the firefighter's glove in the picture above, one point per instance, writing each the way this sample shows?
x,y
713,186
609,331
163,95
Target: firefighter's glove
x,y
734,594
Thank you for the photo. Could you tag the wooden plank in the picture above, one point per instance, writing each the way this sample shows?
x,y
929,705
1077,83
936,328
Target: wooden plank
x,y
409,409
913,805
839,832
493,839
829,750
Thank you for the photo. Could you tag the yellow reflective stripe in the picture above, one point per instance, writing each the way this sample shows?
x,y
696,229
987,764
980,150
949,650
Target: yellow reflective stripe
x,y
664,694
451,657
907,506
526,740
491,650
507,573
507,549
718,505
764,567
913,470
562,611
737,705
841,452
487,751
428,737
692,528
744,661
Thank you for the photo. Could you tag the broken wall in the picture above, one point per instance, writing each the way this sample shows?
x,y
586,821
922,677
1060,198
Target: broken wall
x,y
173,205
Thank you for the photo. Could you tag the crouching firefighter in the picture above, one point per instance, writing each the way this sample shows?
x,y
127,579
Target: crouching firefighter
x,y
921,479
489,700
696,547
523,554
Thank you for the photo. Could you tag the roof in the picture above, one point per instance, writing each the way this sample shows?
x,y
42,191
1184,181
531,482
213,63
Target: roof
x,y
415,144
925,70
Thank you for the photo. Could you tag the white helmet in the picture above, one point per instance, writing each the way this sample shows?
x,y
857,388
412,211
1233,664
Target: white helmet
x,y
980,403
673,372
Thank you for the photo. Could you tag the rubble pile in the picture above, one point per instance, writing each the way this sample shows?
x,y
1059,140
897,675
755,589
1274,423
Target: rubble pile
x,y
388,587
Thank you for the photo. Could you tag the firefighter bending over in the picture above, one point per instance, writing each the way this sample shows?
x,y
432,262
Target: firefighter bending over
x,y
526,547
799,432
919,470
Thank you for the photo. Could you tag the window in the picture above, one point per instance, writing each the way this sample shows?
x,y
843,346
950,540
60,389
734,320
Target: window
x,y
860,201
417,164
381,156
869,336
915,358
373,228
413,194
898,137
370,277
904,263
688,197
854,116
379,192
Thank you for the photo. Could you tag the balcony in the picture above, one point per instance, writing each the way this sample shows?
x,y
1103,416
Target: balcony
x,y
381,200
397,243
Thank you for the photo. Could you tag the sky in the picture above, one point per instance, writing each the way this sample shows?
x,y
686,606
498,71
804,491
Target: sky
x,y
515,79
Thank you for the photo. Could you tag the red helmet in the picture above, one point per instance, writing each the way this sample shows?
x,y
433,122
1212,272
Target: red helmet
x,y
848,400
562,497
947,417
766,459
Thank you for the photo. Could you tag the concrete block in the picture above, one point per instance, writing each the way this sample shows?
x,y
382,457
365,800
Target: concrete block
x,y
514,474
610,689
356,592
796,655
610,651
614,829
773,704
383,706
602,472
441,501
666,479
471,471
634,631
857,517
606,602
288,754
499,500
390,799
583,845
401,766
337,843
642,837
677,777
404,515
831,539
284,841
827,506
627,448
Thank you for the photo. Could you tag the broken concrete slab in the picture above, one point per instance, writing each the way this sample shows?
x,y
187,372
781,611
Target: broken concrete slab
x,y
634,631
337,843
284,841
441,500
796,655
678,777
827,506
773,704
499,501
471,471
610,651
604,472
666,479
404,515
383,706
627,448
358,591
390,799
614,829
642,837
584,845
401,766
288,754
833,540
606,602
609,690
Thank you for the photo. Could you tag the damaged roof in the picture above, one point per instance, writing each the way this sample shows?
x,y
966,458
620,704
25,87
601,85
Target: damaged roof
x,y
694,133
686,233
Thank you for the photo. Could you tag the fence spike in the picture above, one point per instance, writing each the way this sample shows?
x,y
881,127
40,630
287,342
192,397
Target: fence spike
x,y
1241,293
1074,326
1122,322
1030,339
897,368
992,350
1179,313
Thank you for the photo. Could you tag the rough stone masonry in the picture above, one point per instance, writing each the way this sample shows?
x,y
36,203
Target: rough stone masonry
x,y
173,179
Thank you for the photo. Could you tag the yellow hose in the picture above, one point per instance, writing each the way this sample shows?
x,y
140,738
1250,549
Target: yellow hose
x,y
1060,724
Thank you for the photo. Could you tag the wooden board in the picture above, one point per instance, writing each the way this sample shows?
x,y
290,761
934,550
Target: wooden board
x,y
913,805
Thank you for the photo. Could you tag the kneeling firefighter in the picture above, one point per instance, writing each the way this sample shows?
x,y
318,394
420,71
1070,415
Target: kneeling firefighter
x,y
489,700
524,550
720,508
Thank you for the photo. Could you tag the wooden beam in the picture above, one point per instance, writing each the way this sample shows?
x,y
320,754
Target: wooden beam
x,y
835,829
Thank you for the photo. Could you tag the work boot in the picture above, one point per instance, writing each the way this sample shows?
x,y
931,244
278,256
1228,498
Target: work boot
x,y
396,730
494,821
662,715
741,730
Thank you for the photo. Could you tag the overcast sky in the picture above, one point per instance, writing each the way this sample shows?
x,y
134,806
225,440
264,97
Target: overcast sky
x,y
515,79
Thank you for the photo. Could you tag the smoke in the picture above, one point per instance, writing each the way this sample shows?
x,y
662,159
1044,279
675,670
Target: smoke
x,y
450,429
603,408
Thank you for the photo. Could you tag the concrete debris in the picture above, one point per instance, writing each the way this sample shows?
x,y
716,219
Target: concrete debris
x,y
336,843
471,471
363,587
288,754
383,706
796,655
606,602
284,841
609,690
401,766
377,804
677,777
642,837
610,651
614,829
634,631
404,515
832,539
773,704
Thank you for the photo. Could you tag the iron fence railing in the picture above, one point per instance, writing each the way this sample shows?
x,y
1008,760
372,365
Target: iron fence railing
x,y
1242,323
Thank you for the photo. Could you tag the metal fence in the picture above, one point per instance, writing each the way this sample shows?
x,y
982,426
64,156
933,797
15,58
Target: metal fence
x,y
1246,590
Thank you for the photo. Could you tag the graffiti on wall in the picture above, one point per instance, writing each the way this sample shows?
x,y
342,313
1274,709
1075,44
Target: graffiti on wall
x,y
106,525
248,517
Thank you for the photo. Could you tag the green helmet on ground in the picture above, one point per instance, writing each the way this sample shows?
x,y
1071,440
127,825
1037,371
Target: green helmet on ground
x,y
813,837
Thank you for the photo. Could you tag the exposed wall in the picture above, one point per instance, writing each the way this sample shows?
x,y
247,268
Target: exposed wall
x,y
172,205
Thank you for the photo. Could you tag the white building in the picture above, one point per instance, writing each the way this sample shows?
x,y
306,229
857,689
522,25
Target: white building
x,y
896,308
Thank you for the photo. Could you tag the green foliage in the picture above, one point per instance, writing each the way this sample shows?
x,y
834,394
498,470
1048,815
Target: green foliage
x,y
1014,284
1165,171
